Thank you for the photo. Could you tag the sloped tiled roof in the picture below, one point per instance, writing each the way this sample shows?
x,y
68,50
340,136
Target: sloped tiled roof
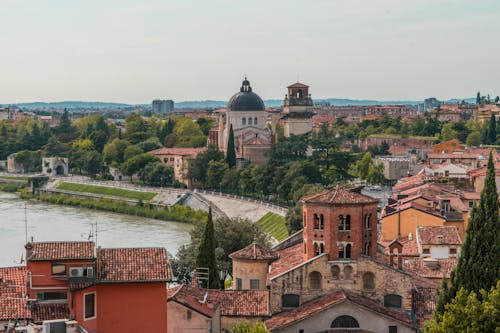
x,y
429,235
60,250
338,195
42,312
298,85
13,293
410,247
245,303
430,268
132,265
193,298
255,251
308,309
288,258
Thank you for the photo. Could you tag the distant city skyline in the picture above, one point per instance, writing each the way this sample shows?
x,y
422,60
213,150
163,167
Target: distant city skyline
x,y
134,52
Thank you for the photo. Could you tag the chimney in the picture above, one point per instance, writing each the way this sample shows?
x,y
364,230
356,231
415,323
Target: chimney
x,y
410,236
29,250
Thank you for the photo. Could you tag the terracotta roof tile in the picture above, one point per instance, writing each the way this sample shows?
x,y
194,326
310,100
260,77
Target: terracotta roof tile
x,y
288,258
429,235
287,318
410,247
255,251
339,195
60,250
42,312
298,85
430,268
245,303
132,265
194,298
13,293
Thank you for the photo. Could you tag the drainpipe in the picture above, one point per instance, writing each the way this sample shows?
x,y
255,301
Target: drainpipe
x,y
399,222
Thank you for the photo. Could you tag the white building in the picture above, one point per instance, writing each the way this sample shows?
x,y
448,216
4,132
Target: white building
x,y
438,242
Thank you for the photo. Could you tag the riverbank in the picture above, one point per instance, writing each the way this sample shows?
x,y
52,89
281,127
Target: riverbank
x,y
175,213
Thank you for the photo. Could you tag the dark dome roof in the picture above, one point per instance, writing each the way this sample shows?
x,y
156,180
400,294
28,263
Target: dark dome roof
x,y
246,100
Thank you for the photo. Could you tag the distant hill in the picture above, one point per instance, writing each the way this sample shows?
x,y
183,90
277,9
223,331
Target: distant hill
x,y
211,104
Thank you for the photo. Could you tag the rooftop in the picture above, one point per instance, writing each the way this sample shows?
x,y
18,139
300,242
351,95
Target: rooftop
x,y
255,251
132,265
438,235
13,281
59,251
340,196
430,268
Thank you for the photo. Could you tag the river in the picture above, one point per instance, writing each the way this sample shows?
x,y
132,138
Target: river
x,y
47,222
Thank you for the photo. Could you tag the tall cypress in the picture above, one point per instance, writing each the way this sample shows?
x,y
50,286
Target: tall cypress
x,y
206,254
231,153
478,98
479,263
492,130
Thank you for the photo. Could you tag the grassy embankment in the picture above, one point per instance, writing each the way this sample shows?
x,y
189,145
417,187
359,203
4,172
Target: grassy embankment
x,y
15,177
274,225
104,190
14,186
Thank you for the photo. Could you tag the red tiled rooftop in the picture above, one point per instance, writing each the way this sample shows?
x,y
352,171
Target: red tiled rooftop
x,y
193,298
288,258
60,250
425,267
298,85
192,152
339,195
308,309
255,251
430,235
42,312
245,303
13,293
410,247
132,265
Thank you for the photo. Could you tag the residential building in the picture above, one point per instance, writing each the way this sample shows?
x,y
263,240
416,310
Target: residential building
x,y
180,160
162,106
438,242
478,176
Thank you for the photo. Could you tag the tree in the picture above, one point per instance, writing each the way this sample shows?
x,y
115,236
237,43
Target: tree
x,y
478,266
131,151
136,128
492,130
29,160
363,166
64,128
92,162
478,98
157,174
113,152
246,327
497,99
188,133
215,173
56,148
198,169
474,139
469,313
231,153
136,163
206,254
448,133
376,173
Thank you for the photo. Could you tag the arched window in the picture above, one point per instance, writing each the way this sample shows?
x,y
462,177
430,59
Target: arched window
x,y
290,301
315,280
316,221
255,121
321,222
367,249
393,301
348,251
348,222
345,322
321,248
368,221
369,281
341,251
316,249
347,273
335,272
244,121
250,121
341,222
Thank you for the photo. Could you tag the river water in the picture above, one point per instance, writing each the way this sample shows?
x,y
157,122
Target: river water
x,y
47,222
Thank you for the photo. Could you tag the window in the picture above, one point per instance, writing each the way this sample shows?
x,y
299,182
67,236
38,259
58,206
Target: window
x,y
189,314
393,329
341,222
341,251
244,121
316,249
58,269
348,251
335,272
89,306
392,301
369,281
345,322
249,121
321,222
315,280
347,273
254,284
255,121
368,221
453,251
239,284
321,248
290,300
316,221
51,296
348,222
426,251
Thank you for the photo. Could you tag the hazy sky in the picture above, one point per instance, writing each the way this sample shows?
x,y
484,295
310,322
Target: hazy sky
x,y
136,51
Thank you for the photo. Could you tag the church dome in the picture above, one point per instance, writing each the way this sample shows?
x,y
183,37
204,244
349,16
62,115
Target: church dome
x,y
246,99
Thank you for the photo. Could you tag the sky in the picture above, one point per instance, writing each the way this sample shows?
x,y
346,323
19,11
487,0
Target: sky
x,y
135,51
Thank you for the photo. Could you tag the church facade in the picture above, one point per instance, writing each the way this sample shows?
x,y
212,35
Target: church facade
x,y
246,115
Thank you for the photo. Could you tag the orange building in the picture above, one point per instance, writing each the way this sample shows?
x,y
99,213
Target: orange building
x,y
114,290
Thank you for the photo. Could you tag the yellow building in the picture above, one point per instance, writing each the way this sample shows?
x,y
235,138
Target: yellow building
x,y
179,159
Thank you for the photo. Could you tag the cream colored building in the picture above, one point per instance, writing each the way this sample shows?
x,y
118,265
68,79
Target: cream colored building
x,y
179,159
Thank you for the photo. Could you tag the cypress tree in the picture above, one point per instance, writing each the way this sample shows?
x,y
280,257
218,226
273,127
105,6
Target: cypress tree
x,y
206,254
478,98
231,153
492,130
479,263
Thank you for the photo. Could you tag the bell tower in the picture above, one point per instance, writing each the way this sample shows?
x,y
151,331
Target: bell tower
x,y
297,110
